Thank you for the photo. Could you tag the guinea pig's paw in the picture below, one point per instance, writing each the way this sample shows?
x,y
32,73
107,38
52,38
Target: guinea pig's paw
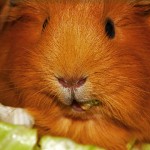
x,y
17,116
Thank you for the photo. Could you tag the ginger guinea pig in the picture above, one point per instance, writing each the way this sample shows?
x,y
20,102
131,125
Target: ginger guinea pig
x,y
82,69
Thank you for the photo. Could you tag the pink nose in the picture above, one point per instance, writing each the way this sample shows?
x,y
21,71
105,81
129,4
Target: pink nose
x,y
72,83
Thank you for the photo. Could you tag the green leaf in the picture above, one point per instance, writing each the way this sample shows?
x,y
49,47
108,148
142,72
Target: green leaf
x,y
131,144
17,137
57,143
146,147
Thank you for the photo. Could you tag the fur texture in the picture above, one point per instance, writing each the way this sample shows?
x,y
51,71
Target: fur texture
x,y
43,40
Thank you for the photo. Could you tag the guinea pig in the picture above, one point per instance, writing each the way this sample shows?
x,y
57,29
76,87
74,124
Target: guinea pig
x,y
80,68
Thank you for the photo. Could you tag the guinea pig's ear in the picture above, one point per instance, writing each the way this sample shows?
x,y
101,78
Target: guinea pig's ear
x,y
142,7
4,8
2,3
11,12
20,8
15,3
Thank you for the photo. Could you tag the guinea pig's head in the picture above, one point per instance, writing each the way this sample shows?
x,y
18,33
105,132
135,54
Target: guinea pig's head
x,y
84,58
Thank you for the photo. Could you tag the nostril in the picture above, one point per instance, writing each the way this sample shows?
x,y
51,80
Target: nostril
x,y
81,82
72,83
63,82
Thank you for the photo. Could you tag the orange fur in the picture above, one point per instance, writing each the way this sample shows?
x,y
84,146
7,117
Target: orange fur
x,y
74,44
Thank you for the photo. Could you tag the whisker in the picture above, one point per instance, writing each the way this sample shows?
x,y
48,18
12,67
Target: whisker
x,y
13,88
36,93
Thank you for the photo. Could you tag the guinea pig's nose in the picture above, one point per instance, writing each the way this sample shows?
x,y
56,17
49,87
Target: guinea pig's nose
x,y
72,83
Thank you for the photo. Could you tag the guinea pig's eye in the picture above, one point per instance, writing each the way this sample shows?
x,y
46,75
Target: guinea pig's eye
x,y
110,28
46,21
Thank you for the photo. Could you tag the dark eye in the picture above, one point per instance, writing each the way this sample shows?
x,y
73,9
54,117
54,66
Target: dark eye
x,y
46,23
110,28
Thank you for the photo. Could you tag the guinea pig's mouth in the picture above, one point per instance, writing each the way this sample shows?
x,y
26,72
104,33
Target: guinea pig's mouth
x,y
78,106
84,106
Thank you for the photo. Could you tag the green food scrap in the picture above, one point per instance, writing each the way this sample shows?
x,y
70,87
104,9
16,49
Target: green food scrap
x,y
89,104
146,147
14,137
56,143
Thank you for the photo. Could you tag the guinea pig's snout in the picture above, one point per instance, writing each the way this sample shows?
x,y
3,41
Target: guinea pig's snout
x,y
72,83
73,91
74,94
